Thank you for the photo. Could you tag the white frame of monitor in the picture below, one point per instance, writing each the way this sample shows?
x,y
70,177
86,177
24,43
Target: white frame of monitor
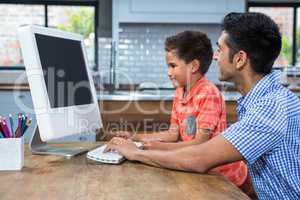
x,y
51,121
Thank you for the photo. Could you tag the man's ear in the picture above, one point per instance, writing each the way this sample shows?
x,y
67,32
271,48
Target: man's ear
x,y
241,59
195,65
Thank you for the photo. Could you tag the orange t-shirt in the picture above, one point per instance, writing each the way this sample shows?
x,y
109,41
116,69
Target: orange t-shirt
x,y
204,108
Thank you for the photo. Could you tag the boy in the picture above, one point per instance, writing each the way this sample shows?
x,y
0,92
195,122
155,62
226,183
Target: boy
x,y
198,112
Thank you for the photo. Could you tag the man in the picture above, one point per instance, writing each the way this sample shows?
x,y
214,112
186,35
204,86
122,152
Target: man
x,y
267,134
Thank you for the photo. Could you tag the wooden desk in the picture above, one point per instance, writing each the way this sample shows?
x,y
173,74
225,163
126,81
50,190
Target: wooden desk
x,y
56,178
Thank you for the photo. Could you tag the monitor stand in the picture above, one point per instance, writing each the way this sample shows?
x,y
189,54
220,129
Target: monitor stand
x,y
37,146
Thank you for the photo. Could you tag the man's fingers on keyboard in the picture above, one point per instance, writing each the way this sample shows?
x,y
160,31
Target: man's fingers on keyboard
x,y
117,141
112,143
123,134
108,148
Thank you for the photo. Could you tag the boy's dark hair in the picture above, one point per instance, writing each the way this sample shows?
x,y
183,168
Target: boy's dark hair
x,y
190,45
256,34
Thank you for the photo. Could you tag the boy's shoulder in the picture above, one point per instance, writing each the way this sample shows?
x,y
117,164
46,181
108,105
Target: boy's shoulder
x,y
207,90
202,89
207,87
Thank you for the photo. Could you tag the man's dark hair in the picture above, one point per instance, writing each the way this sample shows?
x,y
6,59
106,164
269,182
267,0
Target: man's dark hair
x,y
190,45
256,34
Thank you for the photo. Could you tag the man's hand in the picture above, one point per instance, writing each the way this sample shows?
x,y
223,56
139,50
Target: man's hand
x,y
125,147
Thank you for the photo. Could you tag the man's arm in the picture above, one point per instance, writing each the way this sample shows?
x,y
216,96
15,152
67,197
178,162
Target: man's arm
x,y
196,158
202,135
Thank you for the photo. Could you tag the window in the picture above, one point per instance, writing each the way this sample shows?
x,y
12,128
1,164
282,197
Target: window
x,y
12,16
74,16
283,16
286,16
77,19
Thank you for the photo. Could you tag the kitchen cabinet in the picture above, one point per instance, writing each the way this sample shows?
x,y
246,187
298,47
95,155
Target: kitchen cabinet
x,y
145,12
143,116
174,11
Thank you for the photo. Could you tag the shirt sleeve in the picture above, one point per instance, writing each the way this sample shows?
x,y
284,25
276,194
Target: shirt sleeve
x,y
209,110
260,130
174,116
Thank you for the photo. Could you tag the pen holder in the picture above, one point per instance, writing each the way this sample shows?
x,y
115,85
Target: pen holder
x,y
11,153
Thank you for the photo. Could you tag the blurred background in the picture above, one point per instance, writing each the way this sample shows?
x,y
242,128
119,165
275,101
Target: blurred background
x,y
124,40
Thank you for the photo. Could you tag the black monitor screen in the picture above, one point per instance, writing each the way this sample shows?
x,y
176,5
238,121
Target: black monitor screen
x,y
64,71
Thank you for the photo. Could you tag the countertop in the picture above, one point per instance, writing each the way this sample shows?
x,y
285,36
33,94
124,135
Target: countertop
x,y
53,177
159,95
146,95
152,96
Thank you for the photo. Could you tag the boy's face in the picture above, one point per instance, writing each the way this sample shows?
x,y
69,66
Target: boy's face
x,y
221,55
179,72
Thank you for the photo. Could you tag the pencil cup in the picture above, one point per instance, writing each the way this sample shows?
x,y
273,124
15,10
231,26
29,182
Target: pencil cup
x,y
11,153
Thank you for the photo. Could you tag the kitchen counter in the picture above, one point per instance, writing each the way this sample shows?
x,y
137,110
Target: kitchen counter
x,y
159,95
54,177
146,95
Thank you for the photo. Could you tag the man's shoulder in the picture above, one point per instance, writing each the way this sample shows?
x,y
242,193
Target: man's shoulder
x,y
276,100
280,96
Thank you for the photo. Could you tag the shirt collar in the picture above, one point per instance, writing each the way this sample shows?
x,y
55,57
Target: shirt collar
x,y
259,90
192,92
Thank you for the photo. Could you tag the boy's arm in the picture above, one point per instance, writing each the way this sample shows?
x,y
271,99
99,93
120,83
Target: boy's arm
x,y
202,135
170,135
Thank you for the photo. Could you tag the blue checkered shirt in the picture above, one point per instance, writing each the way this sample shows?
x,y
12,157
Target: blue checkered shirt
x,y
267,134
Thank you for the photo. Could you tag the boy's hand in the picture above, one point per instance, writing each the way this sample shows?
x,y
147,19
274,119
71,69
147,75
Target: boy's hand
x,y
151,140
153,145
125,147
123,134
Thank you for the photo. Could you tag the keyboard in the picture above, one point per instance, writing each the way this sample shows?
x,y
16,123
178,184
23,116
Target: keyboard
x,y
111,157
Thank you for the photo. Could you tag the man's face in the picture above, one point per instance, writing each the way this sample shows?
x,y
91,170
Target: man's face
x,y
178,71
221,55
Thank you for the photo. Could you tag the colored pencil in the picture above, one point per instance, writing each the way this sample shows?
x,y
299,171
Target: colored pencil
x,y
7,121
18,130
11,125
5,128
24,122
28,122
2,128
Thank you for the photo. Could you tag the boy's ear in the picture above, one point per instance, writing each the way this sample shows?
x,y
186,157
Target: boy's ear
x,y
195,65
241,59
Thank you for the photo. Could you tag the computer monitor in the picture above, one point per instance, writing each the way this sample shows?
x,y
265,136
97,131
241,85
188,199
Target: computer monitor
x,y
61,86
